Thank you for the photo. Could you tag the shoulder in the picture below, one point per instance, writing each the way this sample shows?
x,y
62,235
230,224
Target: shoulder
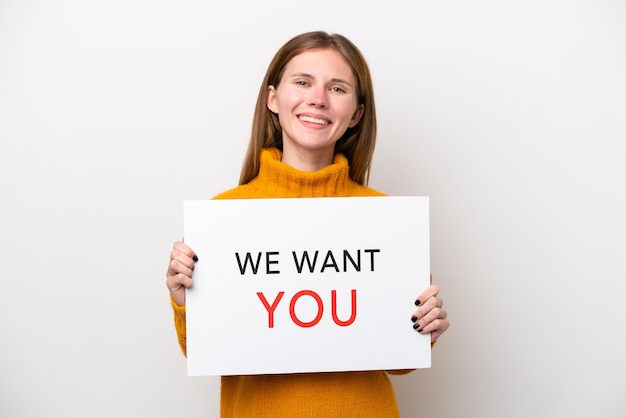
x,y
359,190
235,193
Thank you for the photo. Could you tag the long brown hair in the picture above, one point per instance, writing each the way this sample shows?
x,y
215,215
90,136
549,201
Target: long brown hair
x,y
358,142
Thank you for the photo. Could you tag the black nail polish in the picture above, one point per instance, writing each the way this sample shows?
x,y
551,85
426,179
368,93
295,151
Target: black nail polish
x,y
193,268
420,330
416,326
195,258
413,318
417,302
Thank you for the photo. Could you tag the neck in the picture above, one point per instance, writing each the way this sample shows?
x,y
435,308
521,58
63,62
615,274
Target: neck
x,y
278,179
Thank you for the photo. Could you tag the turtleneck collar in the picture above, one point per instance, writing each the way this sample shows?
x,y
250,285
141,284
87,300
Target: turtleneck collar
x,y
281,180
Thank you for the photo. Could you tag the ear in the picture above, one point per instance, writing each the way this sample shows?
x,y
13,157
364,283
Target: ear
x,y
356,117
272,101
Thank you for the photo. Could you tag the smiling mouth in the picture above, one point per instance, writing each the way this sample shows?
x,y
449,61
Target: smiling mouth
x,y
314,120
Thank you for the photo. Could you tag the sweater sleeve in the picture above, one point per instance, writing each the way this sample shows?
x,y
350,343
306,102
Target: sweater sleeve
x,y
180,322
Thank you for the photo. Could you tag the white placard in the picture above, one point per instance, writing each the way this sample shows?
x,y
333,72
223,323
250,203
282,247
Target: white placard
x,y
306,285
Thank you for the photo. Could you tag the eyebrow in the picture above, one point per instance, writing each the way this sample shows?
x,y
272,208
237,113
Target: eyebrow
x,y
332,80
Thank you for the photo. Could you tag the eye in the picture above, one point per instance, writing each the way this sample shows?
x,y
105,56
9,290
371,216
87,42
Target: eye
x,y
302,83
337,89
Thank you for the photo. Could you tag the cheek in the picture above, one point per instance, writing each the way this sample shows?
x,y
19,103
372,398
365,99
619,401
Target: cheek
x,y
285,101
349,111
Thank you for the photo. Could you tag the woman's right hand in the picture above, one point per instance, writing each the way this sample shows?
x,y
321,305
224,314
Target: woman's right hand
x,y
182,260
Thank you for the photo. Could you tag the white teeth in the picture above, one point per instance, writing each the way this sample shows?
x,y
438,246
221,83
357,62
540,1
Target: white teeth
x,y
313,120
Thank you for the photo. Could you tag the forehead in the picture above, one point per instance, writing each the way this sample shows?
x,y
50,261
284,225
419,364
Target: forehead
x,y
320,63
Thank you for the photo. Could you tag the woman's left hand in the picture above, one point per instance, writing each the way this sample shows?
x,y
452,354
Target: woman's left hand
x,y
430,315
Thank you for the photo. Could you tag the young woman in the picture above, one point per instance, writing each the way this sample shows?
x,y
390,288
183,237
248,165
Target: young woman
x,y
313,135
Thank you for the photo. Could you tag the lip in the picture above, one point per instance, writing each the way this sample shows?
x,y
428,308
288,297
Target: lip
x,y
314,119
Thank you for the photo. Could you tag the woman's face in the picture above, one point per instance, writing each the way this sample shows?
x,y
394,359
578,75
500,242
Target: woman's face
x,y
316,102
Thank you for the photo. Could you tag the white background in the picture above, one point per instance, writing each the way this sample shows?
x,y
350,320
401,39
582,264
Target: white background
x,y
508,114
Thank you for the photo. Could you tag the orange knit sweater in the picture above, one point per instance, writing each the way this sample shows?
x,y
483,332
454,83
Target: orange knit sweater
x,y
344,394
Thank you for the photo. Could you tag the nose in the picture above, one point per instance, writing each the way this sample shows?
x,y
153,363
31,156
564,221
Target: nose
x,y
318,97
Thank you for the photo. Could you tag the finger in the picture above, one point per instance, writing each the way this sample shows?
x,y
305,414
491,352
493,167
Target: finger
x,y
420,321
185,258
438,326
432,290
181,247
182,258
178,281
178,267
435,321
429,316
425,308
434,335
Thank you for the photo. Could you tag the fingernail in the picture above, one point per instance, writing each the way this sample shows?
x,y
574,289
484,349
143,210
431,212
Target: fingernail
x,y
195,258
193,268
417,302
416,326
413,318
420,330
